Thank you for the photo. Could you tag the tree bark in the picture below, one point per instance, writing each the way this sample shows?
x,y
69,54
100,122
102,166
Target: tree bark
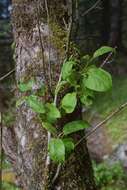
x,y
105,21
28,148
115,38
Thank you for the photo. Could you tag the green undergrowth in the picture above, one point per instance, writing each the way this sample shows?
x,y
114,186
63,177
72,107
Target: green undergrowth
x,y
106,103
110,177
8,186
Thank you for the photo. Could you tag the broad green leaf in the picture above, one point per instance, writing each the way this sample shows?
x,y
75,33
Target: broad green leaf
x,y
49,127
72,78
98,80
69,144
23,87
36,105
74,126
57,150
52,112
20,101
69,102
86,95
67,69
103,50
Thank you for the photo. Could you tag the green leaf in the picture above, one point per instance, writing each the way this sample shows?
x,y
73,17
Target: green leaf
x,y
69,144
67,69
87,97
23,87
103,50
72,78
52,112
36,105
98,80
49,127
74,126
57,150
69,102
20,101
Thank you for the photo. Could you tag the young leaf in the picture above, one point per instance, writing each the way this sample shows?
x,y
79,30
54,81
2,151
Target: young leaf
x,y
49,127
57,150
69,144
69,102
52,112
67,69
36,105
86,95
23,87
74,126
98,80
103,50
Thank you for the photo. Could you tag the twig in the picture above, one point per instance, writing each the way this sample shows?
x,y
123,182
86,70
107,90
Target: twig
x,y
7,75
56,174
91,8
102,122
107,58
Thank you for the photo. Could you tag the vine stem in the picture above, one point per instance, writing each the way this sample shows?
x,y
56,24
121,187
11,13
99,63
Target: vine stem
x,y
7,75
91,8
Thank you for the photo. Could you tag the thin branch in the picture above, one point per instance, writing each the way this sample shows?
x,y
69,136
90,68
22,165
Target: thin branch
x,y
91,8
107,58
7,75
118,110
56,174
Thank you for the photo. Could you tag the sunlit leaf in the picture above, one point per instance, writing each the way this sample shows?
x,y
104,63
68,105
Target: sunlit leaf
x,y
103,50
23,87
69,102
98,80
69,144
74,126
52,112
57,150
49,127
67,69
35,104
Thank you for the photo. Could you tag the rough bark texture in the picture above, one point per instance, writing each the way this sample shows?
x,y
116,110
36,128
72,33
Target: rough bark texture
x,y
28,148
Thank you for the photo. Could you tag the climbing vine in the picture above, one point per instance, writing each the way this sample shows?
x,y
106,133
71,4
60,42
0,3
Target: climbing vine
x,y
80,79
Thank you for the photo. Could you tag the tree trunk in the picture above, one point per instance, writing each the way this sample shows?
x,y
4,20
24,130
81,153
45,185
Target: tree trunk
x,y
105,21
115,38
26,142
